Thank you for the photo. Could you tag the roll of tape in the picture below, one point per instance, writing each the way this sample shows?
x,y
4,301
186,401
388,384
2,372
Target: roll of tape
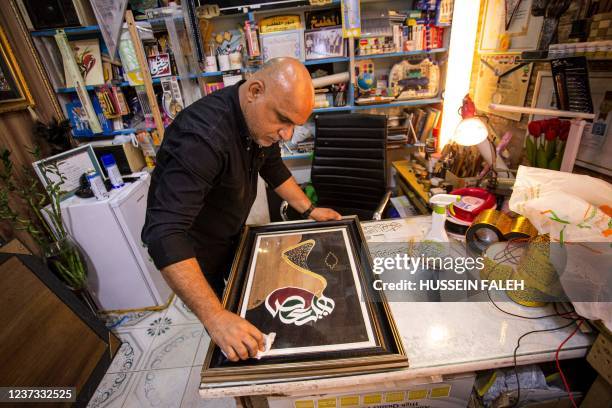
x,y
489,227
455,228
521,228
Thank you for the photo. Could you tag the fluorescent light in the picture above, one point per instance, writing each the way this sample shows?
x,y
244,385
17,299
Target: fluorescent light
x,y
459,67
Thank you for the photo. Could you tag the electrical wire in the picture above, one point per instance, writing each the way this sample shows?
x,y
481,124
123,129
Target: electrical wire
x,y
565,383
518,344
507,255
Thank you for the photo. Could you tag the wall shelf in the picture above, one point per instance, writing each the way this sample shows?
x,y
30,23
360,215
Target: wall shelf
x,y
400,54
326,61
413,102
68,30
220,73
121,84
333,109
297,156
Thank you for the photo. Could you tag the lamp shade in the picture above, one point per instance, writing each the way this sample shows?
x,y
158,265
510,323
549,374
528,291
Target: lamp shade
x,y
470,132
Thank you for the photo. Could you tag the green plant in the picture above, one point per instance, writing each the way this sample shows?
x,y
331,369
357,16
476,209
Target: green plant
x,y
23,191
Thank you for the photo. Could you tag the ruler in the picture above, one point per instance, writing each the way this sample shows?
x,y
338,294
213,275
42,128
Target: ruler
x,y
79,84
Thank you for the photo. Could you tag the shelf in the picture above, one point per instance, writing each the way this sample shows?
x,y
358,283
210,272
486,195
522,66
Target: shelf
x,y
414,102
121,84
68,30
297,156
400,54
333,109
126,131
221,73
326,61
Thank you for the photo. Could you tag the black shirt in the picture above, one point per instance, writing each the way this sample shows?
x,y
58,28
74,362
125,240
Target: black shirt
x,y
205,183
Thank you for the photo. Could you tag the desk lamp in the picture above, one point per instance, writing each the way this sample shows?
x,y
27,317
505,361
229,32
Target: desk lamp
x,y
472,131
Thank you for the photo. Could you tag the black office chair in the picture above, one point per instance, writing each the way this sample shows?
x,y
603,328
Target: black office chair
x,y
349,171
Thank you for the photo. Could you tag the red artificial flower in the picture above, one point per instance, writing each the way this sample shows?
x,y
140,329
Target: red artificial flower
x,y
534,128
565,125
554,123
564,133
550,134
544,125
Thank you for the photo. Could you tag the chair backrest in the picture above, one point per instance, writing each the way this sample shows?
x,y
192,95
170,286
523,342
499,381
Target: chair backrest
x,y
349,165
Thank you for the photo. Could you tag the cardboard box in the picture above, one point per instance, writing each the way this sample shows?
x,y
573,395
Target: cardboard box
x,y
600,356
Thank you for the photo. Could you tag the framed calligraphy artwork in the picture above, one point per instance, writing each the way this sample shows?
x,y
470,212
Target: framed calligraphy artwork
x,y
311,284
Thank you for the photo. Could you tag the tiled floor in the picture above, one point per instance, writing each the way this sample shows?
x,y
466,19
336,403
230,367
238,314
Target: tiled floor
x,y
159,363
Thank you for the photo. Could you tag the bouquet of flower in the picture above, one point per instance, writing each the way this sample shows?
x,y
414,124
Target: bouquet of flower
x,y
545,144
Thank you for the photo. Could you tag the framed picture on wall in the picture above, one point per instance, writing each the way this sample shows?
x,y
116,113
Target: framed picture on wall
x,y
595,151
310,284
324,43
283,44
14,92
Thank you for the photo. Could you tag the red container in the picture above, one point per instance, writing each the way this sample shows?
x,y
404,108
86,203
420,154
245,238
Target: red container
x,y
473,201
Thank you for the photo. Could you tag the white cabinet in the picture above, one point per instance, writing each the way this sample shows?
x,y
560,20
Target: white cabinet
x,y
121,274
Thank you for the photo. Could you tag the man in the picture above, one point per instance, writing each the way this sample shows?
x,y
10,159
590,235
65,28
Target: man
x,y
205,183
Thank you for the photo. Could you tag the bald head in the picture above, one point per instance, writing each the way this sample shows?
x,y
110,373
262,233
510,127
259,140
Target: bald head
x,y
276,98
286,74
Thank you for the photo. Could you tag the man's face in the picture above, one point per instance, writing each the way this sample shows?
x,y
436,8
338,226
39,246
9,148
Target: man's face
x,y
271,117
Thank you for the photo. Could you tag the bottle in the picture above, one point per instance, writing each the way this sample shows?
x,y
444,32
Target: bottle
x,y
113,171
437,233
96,184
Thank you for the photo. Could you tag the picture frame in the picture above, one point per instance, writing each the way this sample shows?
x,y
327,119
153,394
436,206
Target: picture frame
x,y
323,43
14,92
522,34
88,58
71,164
283,44
595,152
311,284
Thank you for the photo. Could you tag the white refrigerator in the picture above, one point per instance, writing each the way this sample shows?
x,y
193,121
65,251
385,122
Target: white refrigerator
x,y
122,276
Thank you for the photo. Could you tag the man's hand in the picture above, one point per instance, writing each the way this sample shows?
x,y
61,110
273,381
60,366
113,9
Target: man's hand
x,y
324,214
237,338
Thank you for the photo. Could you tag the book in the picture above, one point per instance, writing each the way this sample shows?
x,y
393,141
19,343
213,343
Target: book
x,y
89,60
79,122
431,119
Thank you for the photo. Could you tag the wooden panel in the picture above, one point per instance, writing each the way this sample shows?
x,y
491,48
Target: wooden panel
x,y
15,247
44,343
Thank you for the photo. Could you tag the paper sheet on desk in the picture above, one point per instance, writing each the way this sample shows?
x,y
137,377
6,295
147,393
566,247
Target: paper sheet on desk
x,y
573,208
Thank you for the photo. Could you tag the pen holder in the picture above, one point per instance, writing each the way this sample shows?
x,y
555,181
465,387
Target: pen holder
x,y
224,62
211,64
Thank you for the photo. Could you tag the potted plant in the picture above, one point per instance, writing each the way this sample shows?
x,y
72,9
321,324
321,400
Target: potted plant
x,y
28,208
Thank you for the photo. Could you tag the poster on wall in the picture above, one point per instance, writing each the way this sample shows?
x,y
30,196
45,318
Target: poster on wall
x,y
508,26
310,285
502,80
595,151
